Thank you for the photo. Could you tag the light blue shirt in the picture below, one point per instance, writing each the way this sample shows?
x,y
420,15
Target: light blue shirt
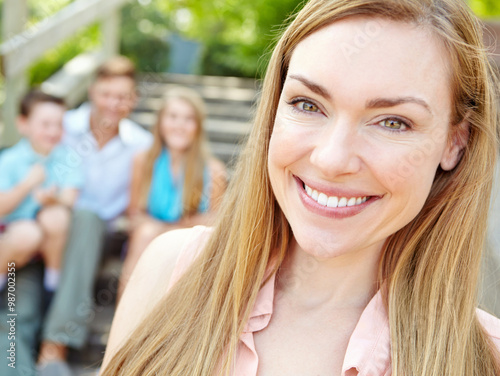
x,y
107,171
17,161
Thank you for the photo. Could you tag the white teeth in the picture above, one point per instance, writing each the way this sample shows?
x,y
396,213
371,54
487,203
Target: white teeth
x,y
333,201
342,202
322,199
352,201
314,195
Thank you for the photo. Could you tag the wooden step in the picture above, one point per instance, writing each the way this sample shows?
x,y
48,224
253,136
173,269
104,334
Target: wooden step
x,y
158,89
215,109
190,80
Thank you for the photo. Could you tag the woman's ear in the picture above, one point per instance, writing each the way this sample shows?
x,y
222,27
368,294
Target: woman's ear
x,y
456,145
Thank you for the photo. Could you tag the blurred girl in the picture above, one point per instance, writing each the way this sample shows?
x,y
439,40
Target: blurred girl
x,y
176,183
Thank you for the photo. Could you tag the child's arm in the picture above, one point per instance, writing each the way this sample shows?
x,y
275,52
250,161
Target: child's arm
x,y
136,212
68,197
67,186
134,206
218,174
51,196
11,199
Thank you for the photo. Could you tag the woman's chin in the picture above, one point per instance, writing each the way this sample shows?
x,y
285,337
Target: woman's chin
x,y
331,245
323,247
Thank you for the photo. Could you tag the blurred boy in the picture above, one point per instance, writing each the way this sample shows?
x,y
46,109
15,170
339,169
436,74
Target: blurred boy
x,y
37,190
104,142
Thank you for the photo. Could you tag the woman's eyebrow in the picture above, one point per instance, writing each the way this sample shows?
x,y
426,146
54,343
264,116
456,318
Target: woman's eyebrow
x,y
373,103
391,102
316,88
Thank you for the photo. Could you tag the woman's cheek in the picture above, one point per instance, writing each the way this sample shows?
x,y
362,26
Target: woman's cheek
x,y
292,140
407,169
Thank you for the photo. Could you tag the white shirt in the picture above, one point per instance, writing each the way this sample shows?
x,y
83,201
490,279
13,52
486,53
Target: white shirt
x,y
107,171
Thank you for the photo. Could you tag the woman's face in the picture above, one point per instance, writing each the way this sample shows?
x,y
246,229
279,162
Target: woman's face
x,y
361,128
178,125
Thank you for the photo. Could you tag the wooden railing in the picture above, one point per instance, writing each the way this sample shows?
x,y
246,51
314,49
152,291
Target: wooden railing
x,y
22,47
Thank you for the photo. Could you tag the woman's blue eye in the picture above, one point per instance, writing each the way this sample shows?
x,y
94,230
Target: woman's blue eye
x,y
306,106
394,124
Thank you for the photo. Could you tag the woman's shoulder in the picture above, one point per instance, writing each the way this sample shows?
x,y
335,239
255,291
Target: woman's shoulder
x,y
161,264
193,243
491,325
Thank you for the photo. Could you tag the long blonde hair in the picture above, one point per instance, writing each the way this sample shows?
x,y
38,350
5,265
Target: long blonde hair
x,y
430,266
196,155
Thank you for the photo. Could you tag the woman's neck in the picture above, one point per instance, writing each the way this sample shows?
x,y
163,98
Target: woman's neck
x,y
346,281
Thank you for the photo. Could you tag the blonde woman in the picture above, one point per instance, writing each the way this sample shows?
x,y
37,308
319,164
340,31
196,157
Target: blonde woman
x,y
176,183
350,239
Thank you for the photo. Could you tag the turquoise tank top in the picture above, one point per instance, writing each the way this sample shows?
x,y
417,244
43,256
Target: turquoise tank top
x,y
165,195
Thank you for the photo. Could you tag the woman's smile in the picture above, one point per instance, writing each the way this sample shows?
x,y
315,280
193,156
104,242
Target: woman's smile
x,y
331,202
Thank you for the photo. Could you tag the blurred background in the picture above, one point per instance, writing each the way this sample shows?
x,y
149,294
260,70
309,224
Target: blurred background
x,y
219,47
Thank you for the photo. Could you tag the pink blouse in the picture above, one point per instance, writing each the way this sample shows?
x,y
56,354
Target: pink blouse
x,y
368,351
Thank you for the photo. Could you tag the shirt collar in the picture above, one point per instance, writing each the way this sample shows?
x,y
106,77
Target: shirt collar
x,y
30,154
263,308
83,119
368,351
369,348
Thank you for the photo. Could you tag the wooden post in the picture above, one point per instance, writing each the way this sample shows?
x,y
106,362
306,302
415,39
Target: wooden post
x,y
14,20
110,30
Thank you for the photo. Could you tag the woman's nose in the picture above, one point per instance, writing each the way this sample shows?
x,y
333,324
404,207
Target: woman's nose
x,y
336,151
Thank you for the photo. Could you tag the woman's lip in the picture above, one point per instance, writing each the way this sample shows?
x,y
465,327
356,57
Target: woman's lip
x,y
337,192
338,213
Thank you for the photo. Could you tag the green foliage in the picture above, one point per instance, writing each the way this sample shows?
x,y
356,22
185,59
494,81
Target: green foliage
x,y
485,8
235,34
143,36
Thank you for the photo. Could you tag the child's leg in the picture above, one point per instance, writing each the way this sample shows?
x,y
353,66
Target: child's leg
x,y
54,221
19,243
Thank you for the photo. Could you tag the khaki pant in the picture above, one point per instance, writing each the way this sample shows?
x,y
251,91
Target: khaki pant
x,y
72,307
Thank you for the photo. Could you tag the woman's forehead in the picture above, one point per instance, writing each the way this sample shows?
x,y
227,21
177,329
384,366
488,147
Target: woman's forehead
x,y
360,57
